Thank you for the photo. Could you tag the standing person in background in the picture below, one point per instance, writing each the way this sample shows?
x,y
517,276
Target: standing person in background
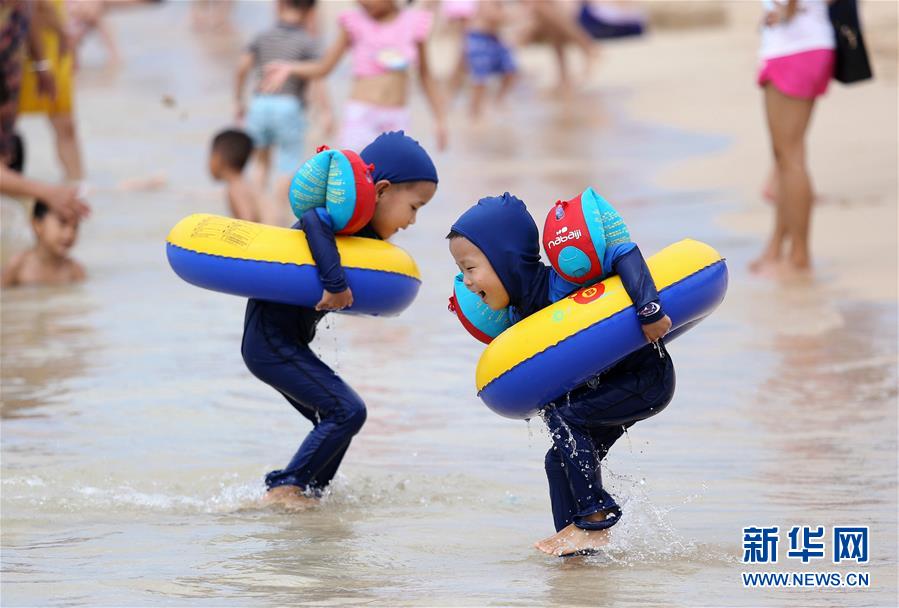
x,y
797,61
86,16
49,21
14,34
554,19
487,55
276,118
458,14
16,39
385,42
89,16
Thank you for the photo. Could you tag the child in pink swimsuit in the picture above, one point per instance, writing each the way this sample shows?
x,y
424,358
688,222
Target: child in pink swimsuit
x,y
385,42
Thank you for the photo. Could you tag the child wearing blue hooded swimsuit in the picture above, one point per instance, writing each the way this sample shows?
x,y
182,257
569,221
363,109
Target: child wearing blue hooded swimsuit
x,y
276,338
496,246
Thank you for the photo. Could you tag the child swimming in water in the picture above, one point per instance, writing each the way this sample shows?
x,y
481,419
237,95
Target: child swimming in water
x,y
277,336
48,262
496,246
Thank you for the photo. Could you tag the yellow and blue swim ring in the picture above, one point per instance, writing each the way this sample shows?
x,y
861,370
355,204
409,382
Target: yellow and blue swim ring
x,y
560,347
275,264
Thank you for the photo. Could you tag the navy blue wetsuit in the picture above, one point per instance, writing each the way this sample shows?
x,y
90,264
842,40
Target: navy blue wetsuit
x,y
276,350
587,422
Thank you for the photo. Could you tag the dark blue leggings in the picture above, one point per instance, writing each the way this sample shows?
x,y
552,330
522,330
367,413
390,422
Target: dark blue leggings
x,y
584,427
312,388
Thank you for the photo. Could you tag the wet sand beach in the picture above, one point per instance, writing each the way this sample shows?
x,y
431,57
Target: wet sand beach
x,y
134,440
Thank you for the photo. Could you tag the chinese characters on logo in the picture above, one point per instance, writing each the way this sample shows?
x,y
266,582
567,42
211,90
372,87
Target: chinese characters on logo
x,y
806,543
760,545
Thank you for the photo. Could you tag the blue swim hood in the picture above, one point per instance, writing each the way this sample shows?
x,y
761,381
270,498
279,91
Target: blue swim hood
x,y
502,228
398,158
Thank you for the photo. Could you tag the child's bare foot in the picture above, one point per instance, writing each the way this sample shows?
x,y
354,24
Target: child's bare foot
x,y
800,260
766,264
572,540
289,497
796,268
782,270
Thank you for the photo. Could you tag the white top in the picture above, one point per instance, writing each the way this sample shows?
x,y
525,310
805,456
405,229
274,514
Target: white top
x,y
809,30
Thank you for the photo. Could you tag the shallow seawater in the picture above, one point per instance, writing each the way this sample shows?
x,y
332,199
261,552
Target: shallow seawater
x,y
134,441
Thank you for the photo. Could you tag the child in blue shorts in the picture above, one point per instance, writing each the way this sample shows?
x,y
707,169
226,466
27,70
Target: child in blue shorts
x,y
496,246
487,55
277,120
276,336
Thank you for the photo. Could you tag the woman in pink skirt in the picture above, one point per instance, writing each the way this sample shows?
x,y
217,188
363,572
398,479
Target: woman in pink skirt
x,y
797,59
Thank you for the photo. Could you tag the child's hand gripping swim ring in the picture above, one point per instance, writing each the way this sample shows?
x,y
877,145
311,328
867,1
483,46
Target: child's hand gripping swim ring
x,y
340,181
577,233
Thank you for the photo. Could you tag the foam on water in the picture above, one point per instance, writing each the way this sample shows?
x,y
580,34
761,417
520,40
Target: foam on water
x,y
228,497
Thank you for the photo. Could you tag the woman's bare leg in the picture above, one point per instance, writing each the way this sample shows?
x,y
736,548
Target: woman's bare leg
x,y
67,147
788,121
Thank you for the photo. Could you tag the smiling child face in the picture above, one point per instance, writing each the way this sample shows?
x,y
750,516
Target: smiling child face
x,y
477,273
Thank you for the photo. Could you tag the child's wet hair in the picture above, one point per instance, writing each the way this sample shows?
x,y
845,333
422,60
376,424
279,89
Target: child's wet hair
x,y
234,147
453,235
41,209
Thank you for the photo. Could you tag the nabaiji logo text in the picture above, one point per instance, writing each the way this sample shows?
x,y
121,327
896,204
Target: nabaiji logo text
x,y
562,238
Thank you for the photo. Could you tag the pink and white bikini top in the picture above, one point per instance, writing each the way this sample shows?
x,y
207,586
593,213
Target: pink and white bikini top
x,y
380,47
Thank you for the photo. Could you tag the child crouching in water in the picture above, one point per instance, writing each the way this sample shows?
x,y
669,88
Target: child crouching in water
x,y
496,246
277,336
48,262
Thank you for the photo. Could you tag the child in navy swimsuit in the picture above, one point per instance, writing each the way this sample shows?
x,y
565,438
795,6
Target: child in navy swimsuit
x,y
496,246
277,336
